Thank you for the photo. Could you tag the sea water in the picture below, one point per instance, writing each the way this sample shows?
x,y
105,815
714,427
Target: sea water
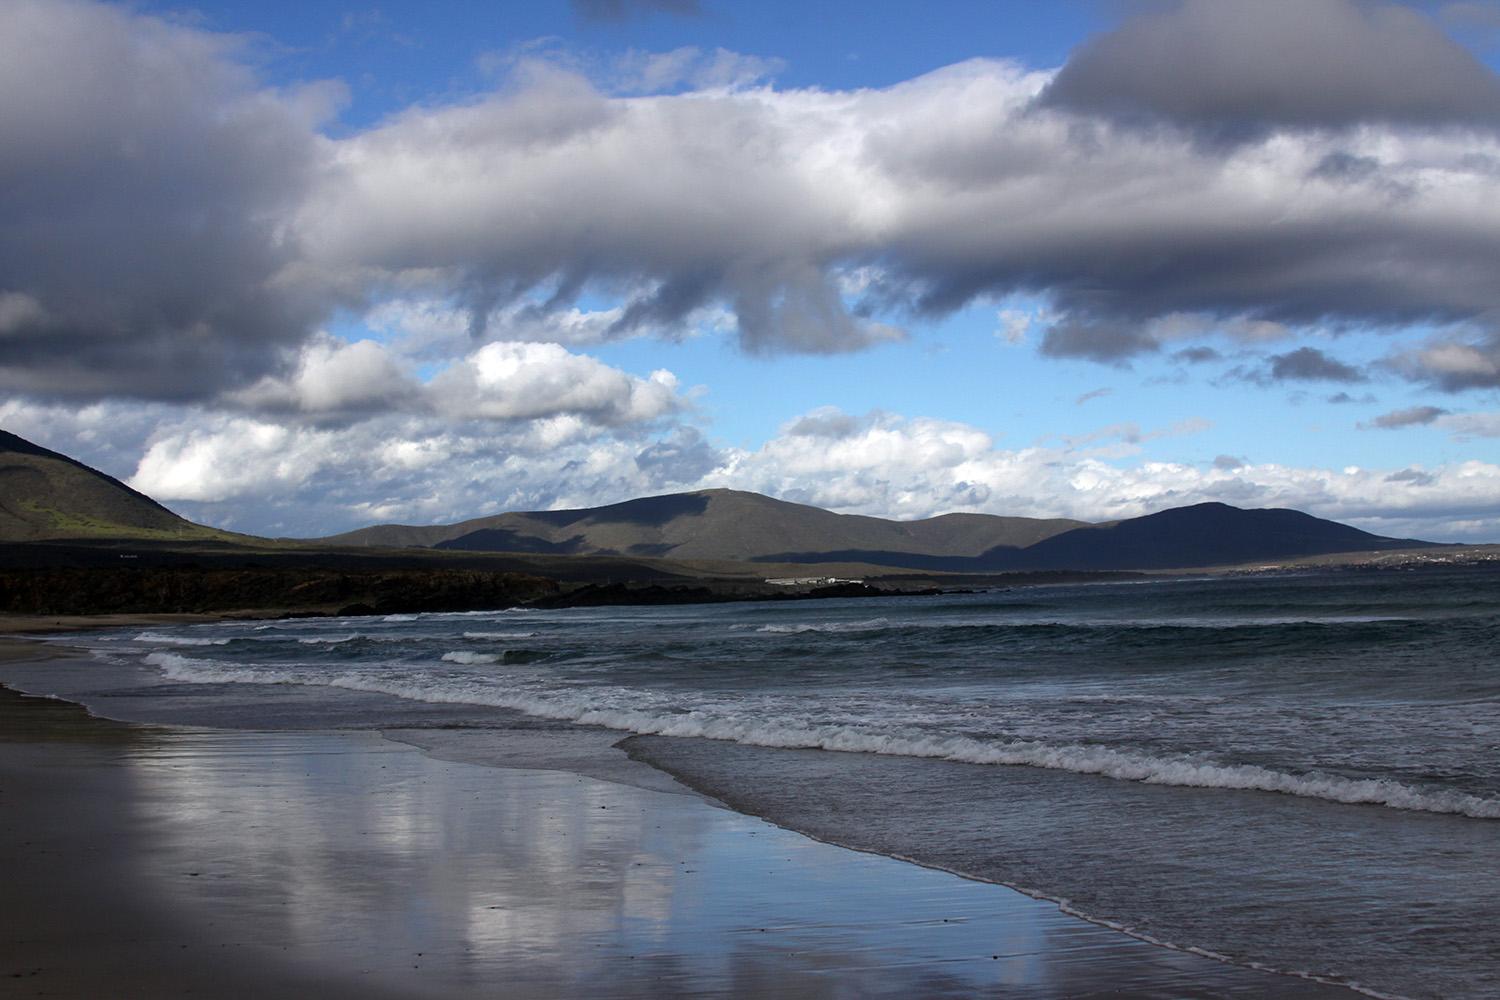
x,y
1298,772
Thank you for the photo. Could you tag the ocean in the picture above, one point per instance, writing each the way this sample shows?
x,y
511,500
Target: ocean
x,y
1297,772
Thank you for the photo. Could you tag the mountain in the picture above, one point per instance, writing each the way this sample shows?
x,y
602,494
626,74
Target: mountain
x,y
45,495
713,525
1205,534
733,525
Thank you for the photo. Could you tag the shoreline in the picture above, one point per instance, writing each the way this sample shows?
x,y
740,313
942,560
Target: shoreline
x,y
852,924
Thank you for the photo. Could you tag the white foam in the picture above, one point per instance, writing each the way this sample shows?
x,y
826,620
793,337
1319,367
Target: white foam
x,y
327,640
400,618
864,626
654,714
462,656
499,635
179,640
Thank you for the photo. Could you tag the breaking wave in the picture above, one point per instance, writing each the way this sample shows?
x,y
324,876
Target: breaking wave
x,y
461,656
179,640
657,715
865,626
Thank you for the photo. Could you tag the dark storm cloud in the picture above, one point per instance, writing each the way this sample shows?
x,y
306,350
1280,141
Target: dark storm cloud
x,y
1233,70
1308,364
1414,416
619,10
170,229
143,186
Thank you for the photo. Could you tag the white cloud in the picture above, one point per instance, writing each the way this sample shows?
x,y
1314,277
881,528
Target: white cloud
x,y
1014,325
525,381
333,376
500,381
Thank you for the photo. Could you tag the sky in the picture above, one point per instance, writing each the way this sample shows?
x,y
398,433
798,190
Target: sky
x,y
295,268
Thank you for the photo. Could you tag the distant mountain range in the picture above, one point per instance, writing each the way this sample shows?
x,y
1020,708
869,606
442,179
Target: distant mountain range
x,y
48,496
747,527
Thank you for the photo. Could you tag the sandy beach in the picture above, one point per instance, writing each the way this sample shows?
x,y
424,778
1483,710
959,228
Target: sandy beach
x,y
153,861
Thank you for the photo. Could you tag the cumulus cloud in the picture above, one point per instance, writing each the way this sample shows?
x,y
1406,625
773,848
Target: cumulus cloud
x,y
333,377
525,381
509,381
1238,69
174,229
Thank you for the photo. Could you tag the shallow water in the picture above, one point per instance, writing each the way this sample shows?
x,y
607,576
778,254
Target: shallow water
x,y
1297,771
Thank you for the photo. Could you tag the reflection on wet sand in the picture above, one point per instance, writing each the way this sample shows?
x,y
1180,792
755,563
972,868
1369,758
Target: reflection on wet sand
x,y
344,852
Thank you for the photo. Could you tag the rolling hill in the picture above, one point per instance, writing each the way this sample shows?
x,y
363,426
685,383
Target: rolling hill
x,y
747,527
716,525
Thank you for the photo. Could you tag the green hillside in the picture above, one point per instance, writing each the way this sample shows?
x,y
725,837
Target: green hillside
x,y
45,495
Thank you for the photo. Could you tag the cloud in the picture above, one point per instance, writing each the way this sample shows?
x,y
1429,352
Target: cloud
x,y
148,182
1237,70
1197,355
638,72
1414,416
1478,16
824,422
1414,476
684,457
1454,365
1228,463
1466,426
1308,364
502,381
521,381
175,230
333,377
1103,342
1092,394
1014,325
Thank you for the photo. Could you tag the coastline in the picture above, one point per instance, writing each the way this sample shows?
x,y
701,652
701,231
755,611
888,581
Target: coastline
x,y
248,863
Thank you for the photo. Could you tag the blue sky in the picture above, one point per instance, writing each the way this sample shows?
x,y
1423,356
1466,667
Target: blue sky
x,y
293,268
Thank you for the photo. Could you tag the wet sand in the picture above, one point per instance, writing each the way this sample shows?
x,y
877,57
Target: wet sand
x,y
154,861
